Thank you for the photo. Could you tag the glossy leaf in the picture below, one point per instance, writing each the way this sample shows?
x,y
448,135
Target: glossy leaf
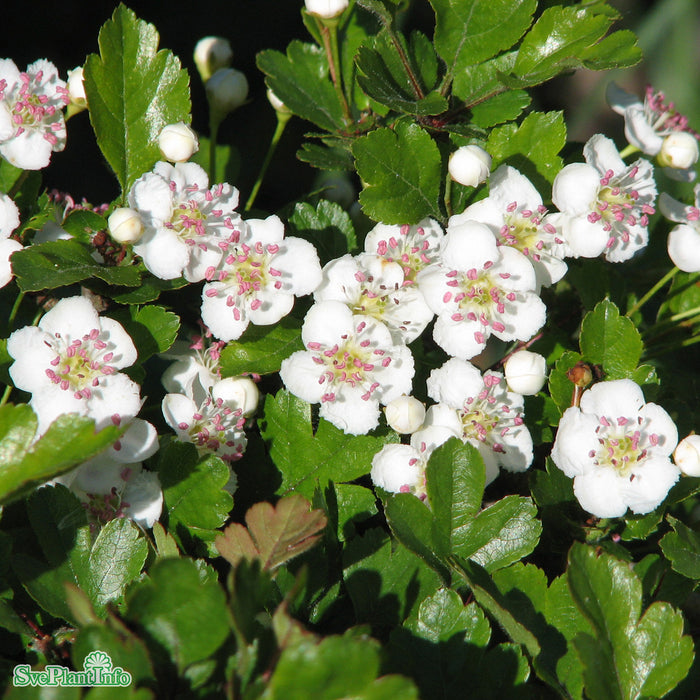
x,y
682,548
152,328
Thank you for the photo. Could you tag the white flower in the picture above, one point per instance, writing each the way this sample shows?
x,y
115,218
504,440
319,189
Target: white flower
x,y
405,414
69,364
226,90
655,128
480,289
244,392
469,165
196,361
211,419
327,9
684,240
351,365
210,54
372,286
177,142
110,489
526,372
607,203
617,448
480,410
9,221
414,247
186,224
76,87
687,455
32,124
257,278
125,225
515,214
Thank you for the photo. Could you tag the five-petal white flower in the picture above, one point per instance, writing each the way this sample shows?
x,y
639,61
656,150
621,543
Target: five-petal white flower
x,y
617,449
684,239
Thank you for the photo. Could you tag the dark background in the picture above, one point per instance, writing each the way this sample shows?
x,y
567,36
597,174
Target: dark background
x,y
66,34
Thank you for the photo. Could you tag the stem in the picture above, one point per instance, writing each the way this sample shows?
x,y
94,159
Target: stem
x,y
13,312
415,85
663,326
628,151
6,395
448,195
282,120
666,278
329,33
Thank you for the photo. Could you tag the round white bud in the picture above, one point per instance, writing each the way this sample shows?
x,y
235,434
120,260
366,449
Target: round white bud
x,y
525,372
395,468
241,391
469,165
210,54
177,142
687,455
684,247
276,103
679,150
125,225
327,9
405,414
76,87
226,90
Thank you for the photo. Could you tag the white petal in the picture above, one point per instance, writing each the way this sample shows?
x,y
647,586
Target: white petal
x,y
640,132
575,441
178,409
600,152
598,492
661,425
468,245
266,231
617,398
575,188
518,447
139,442
619,99
351,413
339,281
28,151
298,261
152,197
326,322
7,247
119,341
301,375
585,239
395,467
652,480
673,209
144,495
274,305
72,316
9,216
163,252
684,248
454,382
219,318
463,339
32,358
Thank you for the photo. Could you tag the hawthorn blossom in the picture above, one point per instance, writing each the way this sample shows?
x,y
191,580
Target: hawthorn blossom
x,y
212,53
469,165
350,366
70,362
414,247
656,128
617,449
515,214
9,221
684,239
526,372
195,361
372,286
32,124
480,289
481,411
257,278
185,224
405,414
606,202
687,455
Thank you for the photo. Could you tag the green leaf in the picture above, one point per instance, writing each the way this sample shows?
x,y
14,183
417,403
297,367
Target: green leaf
x,y
133,91
626,656
193,495
24,464
500,108
273,534
179,612
329,156
532,147
261,349
401,168
81,223
300,79
684,294
471,31
327,225
308,459
611,340
682,549
483,80
60,263
619,50
149,289
152,328
561,388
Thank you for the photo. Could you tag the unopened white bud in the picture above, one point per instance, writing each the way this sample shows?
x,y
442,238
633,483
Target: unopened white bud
x,y
211,54
227,90
125,225
396,469
687,455
684,248
276,103
327,9
469,165
241,391
76,87
679,150
525,372
405,414
177,142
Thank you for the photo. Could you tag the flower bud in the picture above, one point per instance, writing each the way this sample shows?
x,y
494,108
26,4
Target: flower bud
x,y
469,165
177,142
241,391
679,150
125,225
277,104
684,248
327,9
211,54
525,372
226,90
76,87
580,375
405,414
687,455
